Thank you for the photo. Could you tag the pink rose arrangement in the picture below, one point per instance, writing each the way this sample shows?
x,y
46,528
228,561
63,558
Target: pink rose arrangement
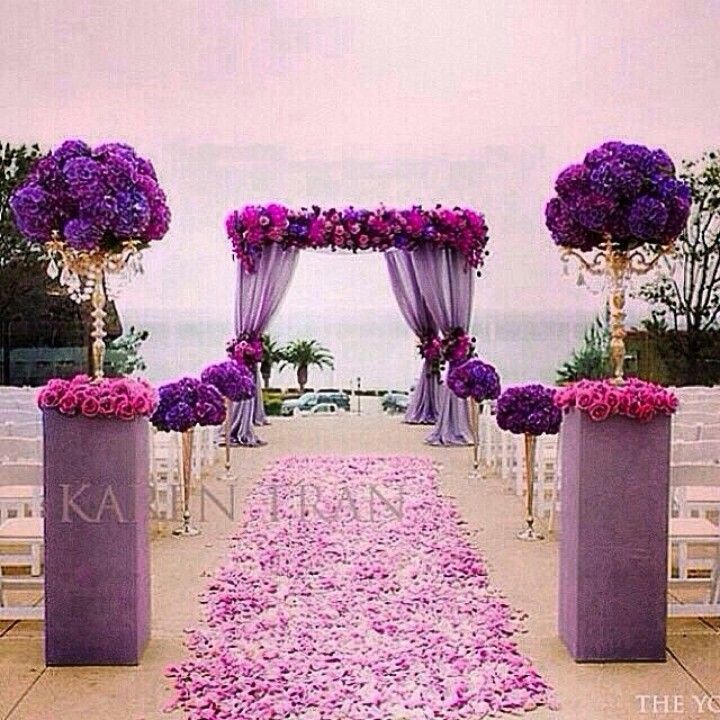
x,y
600,399
121,398
246,349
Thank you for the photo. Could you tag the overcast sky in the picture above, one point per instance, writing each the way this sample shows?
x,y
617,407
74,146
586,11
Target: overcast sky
x,y
404,101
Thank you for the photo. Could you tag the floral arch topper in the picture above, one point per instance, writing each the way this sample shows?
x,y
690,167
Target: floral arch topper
x,y
256,226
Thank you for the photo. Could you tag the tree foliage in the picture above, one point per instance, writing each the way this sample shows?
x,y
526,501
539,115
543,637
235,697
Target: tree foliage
x,y
591,361
685,304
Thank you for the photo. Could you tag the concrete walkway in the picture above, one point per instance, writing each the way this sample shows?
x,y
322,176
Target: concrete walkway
x,y
681,687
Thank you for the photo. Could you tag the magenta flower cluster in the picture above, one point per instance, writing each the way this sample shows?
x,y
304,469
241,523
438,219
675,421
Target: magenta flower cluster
x,y
232,380
457,345
188,402
626,191
93,198
601,399
350,607
255,226
430,347
246,349
474,379
528,409
121,398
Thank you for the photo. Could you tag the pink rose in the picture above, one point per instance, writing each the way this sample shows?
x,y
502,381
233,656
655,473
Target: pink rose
x,y
125,410
612,398
48,398
584,399
107,406
68,404
646,412
90,407
142,404
599,411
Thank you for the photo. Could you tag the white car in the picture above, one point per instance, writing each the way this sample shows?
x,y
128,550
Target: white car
x,y
321,409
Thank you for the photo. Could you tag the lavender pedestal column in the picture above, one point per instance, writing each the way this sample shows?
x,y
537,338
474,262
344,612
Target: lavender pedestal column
x,y
613,546
97,560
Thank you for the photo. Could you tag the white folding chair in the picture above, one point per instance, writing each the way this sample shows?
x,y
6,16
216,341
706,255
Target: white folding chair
x,y
21,473
701,418
22,540
164,473
695,451
20,448
710,432
690,432
22,429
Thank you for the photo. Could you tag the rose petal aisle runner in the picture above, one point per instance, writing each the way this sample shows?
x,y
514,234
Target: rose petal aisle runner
x,y
351,592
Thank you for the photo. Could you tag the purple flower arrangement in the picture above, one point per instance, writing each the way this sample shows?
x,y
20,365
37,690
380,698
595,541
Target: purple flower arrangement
x,y
186,403
246,349
457,345
529,409
255,226
474,379
232,380
93,199
119,398
626,191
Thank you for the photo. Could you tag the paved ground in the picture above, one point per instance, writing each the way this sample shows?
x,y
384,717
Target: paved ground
x,y
681,687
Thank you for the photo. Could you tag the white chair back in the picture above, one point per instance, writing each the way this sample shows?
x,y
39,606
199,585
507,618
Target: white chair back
x,y
694,474
20,416
701,418
20,448
21,473
699,451
684,432
710,432
21,429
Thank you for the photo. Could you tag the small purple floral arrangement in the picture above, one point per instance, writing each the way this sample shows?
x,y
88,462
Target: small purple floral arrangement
x,y
120,398
457,345
186,403
626,191
474,379
246,349
255,226
94,199
232,380
529,409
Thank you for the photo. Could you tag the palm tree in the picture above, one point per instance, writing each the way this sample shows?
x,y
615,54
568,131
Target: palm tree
x,y
301,354
272,354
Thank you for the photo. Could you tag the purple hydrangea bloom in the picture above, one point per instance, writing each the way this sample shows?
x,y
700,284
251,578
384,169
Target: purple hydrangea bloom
x,y
91,198
232,380
34,212
180,417
565,230
528,409
571,182
82,234
474,379
647,218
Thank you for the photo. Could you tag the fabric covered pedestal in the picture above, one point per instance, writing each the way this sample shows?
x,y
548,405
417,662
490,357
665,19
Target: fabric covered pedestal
x,y
613,544
97,560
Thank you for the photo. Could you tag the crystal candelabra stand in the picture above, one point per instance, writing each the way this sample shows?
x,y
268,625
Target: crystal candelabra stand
x,y
83,274
617,266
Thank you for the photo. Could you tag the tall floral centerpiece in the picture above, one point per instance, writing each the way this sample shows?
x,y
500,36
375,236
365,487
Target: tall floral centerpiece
x,y
618,213
235,383
183,405
94,210
529,410
474,381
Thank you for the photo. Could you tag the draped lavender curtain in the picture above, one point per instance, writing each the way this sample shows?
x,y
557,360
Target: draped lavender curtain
x,y
257,298
447,285
423,406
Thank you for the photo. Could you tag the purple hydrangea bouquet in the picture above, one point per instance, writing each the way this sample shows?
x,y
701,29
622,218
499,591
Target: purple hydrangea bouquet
x,y
624,204
529,410
182,405
475,381
235,382
93,211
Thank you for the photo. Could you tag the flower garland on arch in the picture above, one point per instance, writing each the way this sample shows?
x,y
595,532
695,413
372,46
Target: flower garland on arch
x,y
255,226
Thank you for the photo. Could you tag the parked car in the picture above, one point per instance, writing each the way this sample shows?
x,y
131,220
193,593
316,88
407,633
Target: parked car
x,y
395,402
322,409
307,401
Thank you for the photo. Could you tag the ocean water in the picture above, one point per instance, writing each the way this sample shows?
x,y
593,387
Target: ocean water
x,y
378,349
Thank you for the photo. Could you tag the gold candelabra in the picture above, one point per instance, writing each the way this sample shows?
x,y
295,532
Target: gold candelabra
x,y
618,266
83,274
474,409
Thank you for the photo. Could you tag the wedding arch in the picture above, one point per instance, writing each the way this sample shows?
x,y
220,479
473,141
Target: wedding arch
x,y
432,256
